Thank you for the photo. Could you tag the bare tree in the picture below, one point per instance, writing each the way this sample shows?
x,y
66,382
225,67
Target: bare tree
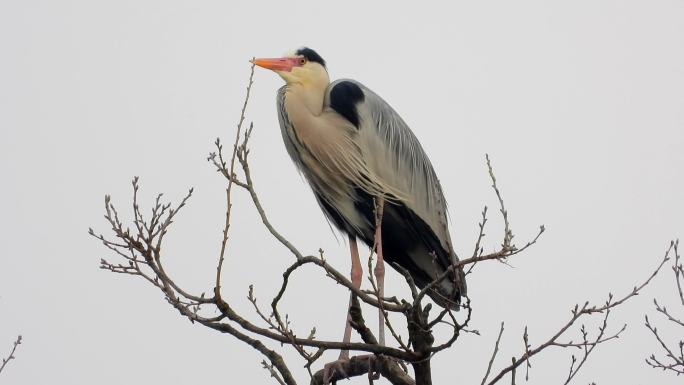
x,y
674,355
139,247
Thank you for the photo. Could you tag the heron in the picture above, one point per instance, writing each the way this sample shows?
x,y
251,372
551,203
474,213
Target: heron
x,y
361,159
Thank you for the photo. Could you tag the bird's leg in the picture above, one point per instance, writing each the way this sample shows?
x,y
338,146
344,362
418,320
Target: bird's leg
x,y
356,274
380,269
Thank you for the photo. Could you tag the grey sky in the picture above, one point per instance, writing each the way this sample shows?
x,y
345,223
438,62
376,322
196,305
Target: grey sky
x,y
579,104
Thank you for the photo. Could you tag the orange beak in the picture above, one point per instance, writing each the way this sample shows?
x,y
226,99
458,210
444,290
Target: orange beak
x,y
284,64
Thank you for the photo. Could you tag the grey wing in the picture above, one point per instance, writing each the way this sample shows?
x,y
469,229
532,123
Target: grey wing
x,y
386,140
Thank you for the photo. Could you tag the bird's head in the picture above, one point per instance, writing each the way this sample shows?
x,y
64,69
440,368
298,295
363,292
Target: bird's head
x,y
304,66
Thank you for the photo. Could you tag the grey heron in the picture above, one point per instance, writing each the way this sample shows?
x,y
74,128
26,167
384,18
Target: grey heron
x,y
357,154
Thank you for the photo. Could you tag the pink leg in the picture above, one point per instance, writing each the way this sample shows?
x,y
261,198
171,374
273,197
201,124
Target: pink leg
x,y
380,269
356,273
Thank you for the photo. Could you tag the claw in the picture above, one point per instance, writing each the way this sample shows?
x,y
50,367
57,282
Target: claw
x,y
332,368
334,371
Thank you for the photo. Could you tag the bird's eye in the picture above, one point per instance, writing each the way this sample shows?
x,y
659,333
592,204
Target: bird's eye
x,y
302,60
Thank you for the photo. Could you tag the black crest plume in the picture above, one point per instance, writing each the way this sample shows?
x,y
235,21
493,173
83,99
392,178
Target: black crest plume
x,y
311,55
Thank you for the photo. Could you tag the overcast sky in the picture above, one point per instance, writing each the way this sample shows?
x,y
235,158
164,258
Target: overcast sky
x,y
580,105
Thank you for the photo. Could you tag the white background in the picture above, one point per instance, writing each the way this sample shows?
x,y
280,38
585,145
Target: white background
x,y
579,104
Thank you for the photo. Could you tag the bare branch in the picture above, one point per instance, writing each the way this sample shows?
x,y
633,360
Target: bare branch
x,y
243,152
588,346
229,205
142,253
338,278
577,313
272,371
508,233
508,249
478,248
675,355
494,353
677,364
11,355
666,313
678,270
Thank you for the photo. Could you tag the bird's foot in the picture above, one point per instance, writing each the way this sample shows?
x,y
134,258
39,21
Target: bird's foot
x,y
373,366
337,370
332,371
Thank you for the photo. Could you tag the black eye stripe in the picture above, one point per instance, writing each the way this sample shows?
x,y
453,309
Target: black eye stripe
x,y
311,55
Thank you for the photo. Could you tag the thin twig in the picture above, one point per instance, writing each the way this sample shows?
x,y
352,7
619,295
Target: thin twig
x,y
272,371
496,350
11,355
675,354
229,205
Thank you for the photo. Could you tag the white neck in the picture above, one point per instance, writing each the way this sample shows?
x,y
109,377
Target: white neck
x,y
308,87
309,97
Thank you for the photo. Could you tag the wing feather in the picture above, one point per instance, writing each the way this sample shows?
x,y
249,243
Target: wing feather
x,y
386,140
